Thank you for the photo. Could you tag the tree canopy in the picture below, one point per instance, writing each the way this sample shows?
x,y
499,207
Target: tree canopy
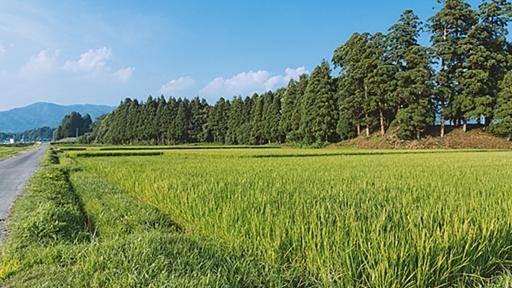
x,y
385,80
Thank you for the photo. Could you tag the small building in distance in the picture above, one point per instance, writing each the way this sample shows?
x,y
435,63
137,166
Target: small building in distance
x,y
12,141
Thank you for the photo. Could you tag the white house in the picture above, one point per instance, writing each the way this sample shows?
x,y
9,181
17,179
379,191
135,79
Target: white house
x,y
11,141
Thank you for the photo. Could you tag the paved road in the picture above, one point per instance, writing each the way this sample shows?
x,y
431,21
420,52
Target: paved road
x,y
14,175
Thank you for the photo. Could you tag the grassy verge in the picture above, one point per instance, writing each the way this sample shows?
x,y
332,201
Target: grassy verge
x,y
72,229
45,219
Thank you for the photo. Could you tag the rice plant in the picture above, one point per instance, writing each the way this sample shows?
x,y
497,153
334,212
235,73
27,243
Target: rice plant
x,y
353,219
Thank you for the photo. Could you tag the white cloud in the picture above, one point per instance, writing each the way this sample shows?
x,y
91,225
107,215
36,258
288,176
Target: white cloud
x,y
3,50
247,83
94,64
91,60
124,74
283,80
41,64
177,86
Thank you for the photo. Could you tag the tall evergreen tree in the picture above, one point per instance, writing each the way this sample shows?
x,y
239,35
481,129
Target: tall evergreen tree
x,y
247,106
450,28
414,77
487,60
257,120
318,122
197,119
352,89
403,37
235,122
289,103
73,125
380,81
502,124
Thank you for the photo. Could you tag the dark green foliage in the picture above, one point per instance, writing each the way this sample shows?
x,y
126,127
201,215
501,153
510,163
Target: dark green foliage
x,y
383,79
487,60
450,28
414,89
73,125
502,124
318,121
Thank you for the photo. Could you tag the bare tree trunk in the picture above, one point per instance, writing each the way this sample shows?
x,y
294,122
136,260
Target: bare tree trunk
x,y
366,113
465,125
367,125
509,136
418,134
358,126
442,124
382,128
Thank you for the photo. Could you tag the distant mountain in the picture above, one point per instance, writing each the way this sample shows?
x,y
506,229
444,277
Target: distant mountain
x,y
44,115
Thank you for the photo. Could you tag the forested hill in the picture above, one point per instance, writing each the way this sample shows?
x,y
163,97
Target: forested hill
x,y
387,80
44,115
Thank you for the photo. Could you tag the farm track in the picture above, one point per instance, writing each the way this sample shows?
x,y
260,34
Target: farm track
x,y
15,173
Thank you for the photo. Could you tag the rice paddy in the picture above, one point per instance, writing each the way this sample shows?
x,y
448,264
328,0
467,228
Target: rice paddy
x,y
345,218
281,218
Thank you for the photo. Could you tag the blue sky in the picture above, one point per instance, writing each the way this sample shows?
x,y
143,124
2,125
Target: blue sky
x,y
100,52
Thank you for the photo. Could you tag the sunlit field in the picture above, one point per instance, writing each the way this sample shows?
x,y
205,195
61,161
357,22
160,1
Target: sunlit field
x,y
7,151
334,217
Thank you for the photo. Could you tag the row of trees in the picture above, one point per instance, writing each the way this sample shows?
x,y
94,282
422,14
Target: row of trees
x,y
73,125
385,80
33,135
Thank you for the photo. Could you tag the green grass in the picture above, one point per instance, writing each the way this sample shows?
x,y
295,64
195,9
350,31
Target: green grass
x,y
7,151
267,218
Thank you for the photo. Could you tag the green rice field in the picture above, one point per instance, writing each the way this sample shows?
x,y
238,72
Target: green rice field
x,y
290,218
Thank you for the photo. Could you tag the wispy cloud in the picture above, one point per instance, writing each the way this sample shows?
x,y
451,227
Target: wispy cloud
x,y
124,74
90,61
246,83
177,86
94,63
43,63
3,50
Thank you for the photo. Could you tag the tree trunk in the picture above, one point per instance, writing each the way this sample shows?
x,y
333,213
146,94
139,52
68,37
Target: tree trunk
x,y
418,134
465,125
366,113
487,122
442,124
382,128
509,137
358,130
367,125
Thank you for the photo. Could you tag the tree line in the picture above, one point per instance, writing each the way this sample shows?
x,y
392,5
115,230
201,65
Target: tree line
x,y
385,81
33,135
73,125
